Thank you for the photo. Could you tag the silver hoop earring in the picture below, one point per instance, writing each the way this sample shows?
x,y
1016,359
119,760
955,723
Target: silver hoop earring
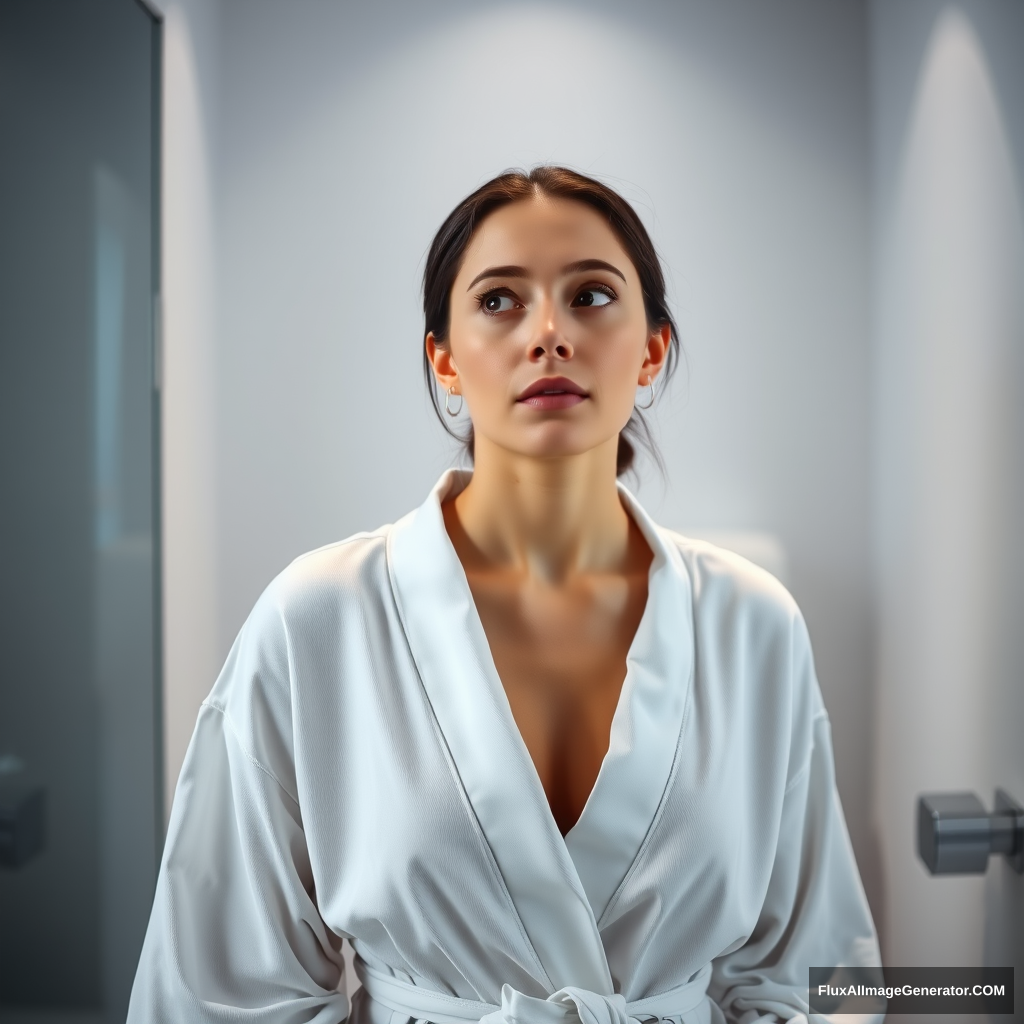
x,y
447,402
649,384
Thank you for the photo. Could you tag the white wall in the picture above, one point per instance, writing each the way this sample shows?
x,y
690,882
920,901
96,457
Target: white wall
x,y
948,116
192,650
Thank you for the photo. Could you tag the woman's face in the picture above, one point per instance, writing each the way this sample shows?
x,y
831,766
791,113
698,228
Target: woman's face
x,y
548,336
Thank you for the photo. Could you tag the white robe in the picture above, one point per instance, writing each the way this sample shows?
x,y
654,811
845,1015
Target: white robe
x,y
356,773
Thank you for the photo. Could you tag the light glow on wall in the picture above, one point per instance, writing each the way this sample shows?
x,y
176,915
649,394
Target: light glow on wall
x,y
951,313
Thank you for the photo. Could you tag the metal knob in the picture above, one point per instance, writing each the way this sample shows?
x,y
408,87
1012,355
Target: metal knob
x,y
956,835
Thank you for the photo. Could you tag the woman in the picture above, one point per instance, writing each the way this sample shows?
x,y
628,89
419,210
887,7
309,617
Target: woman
x,y
538,759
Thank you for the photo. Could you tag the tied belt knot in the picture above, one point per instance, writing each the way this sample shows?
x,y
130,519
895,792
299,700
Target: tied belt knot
x,y
569,1005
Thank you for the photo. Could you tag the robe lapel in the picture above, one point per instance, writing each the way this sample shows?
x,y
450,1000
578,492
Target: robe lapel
x,y
635,772
558,887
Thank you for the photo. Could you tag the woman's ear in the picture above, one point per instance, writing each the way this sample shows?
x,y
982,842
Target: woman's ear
x,y
655,355
440,356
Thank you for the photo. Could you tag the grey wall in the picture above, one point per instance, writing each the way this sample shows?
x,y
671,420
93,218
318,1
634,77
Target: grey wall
x,y
948,486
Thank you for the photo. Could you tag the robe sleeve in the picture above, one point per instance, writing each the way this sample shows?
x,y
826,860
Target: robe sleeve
x,y
815,913
235,933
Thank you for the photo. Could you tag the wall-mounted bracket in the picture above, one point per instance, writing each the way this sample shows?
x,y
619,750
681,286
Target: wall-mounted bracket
x,y
956,835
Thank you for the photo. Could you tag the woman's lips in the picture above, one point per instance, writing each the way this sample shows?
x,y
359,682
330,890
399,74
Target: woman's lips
x,y
555,400
553,393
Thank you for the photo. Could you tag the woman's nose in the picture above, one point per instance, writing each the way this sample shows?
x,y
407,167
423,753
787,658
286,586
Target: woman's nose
x,y
549,338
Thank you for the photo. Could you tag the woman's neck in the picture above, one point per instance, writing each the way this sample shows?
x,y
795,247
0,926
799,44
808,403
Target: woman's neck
x,y
546,518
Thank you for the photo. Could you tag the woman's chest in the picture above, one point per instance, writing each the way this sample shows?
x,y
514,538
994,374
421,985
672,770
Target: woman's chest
x,y
561,658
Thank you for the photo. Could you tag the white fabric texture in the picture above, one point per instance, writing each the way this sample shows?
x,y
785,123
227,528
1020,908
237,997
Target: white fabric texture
x,y
356,773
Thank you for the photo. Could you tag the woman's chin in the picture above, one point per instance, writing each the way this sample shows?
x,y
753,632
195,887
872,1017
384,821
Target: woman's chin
x,y
555,445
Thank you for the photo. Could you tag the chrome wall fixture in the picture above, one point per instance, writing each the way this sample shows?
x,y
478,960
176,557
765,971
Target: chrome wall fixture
x,y
956,835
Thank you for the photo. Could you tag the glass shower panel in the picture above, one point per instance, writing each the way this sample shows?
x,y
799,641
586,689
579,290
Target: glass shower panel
x,y
80,815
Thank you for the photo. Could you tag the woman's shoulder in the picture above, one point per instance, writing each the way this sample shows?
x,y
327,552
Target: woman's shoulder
x,y
342,567
316,596
723,580
311,591
744,617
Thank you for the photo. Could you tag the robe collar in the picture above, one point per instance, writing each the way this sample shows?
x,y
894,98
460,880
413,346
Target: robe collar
x,y
560,888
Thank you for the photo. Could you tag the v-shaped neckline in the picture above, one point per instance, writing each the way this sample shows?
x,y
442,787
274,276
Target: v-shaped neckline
x,y
620,711
560,886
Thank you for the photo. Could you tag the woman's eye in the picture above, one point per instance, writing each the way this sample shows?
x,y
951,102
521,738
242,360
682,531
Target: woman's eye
x,y
593,297
498,303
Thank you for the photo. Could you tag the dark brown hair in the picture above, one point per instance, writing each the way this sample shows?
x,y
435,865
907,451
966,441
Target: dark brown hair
x,y
449,246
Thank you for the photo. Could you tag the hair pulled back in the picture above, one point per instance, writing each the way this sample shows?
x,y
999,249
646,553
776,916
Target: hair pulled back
x,y
444,260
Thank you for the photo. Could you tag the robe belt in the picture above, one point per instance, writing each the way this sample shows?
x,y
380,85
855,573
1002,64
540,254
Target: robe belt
x,y
569,1005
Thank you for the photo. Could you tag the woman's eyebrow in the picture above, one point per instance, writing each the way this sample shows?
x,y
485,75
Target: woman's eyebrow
x,y
581,265
498,272
570,268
